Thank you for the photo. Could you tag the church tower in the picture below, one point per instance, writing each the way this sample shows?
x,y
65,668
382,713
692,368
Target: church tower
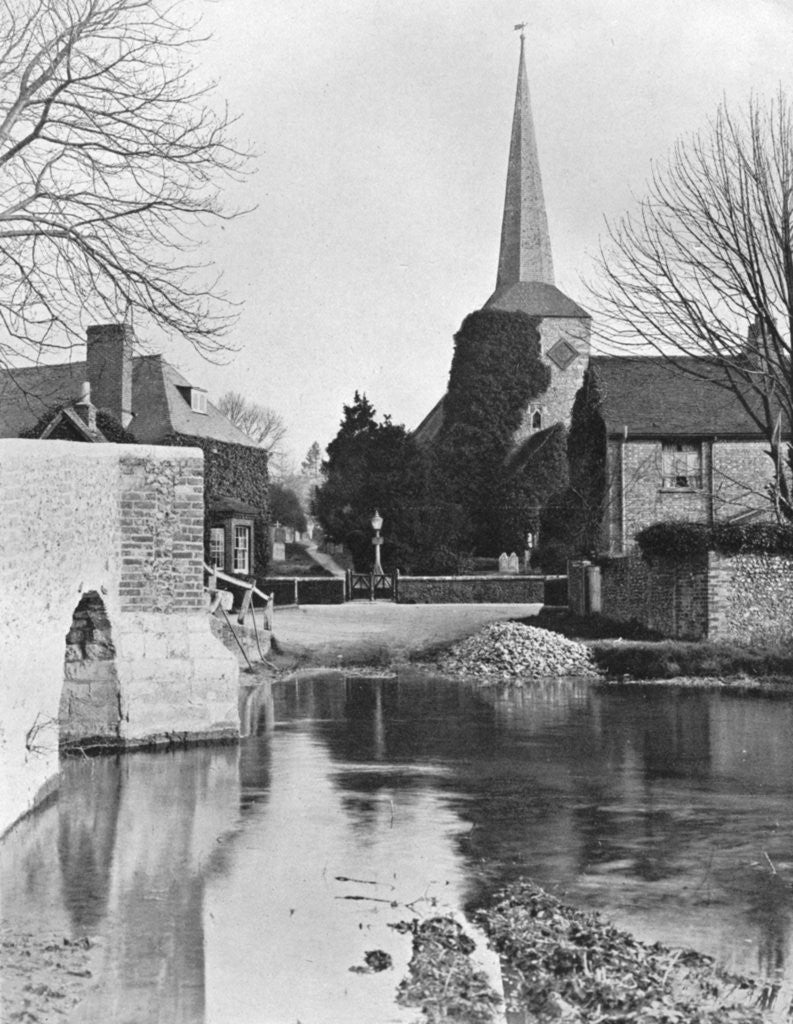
x,y
525,279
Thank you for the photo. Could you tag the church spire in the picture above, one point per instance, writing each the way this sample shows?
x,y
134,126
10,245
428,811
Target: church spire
x,y
525,253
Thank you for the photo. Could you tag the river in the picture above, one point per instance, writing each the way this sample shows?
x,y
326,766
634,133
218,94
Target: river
x,y
231,885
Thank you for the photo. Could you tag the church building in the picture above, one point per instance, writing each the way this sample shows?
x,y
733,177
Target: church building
x,y
678,444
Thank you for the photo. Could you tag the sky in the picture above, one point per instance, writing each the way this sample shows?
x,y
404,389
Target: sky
x,y
381,132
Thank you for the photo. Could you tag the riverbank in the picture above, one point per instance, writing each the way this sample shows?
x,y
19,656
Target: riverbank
x,y
384,636
560,963
629,654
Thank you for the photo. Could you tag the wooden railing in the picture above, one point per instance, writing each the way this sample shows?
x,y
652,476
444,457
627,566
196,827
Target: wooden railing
x,y
249,590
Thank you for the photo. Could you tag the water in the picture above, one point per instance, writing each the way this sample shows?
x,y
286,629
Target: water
x,y
228,886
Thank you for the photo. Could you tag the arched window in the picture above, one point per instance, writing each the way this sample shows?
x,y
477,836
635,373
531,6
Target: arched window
x,y
536,420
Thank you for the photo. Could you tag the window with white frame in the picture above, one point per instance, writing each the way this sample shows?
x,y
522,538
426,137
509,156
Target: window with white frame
x,y
217,547
242,549
198,400
681,465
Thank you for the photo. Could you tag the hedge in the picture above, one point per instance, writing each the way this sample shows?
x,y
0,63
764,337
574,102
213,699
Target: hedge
x,y
681,540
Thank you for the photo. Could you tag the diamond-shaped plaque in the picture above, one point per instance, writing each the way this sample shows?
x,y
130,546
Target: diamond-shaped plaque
x,y
562,354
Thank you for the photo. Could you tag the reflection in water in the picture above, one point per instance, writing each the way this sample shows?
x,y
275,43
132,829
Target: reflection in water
x,y
239,885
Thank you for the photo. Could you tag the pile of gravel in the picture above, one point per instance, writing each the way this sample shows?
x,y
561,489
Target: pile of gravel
x,y
509,649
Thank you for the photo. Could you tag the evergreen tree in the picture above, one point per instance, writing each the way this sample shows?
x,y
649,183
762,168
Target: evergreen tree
x,y
371,466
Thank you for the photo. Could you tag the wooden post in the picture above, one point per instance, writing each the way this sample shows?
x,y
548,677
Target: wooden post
x,y
244,605
297,602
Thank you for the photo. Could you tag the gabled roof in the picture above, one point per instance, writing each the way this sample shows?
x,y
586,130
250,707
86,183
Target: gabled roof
x,y
655,397
160,401
536,299
430,426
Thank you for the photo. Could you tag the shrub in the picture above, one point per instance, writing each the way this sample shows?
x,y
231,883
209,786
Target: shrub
x,y
682,540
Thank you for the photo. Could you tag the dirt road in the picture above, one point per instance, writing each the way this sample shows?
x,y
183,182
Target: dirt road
x,y
380,632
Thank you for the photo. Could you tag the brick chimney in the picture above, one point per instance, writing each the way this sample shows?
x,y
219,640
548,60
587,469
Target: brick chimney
x,y
110,369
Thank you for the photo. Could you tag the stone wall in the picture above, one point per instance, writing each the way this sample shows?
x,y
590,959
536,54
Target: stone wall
x,y
123,524
556,403
471,590
745,599
751,598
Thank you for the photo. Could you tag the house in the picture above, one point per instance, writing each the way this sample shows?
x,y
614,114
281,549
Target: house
x,y
679,443
115,395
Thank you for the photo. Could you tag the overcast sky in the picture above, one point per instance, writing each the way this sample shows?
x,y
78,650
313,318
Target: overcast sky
x,y
382,132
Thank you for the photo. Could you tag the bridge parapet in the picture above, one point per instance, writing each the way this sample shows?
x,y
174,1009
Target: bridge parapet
x,y
123,526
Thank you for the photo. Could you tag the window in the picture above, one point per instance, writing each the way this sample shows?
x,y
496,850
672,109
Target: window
x,y
242,549
536,420
681,465
198,400
217,547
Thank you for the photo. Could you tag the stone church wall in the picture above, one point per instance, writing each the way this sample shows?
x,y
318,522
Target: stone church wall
x,y
123,525
556,404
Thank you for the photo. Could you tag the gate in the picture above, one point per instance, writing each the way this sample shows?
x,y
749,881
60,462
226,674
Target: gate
x,y
371,586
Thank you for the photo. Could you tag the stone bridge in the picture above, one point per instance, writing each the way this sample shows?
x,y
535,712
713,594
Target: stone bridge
x,y
104,637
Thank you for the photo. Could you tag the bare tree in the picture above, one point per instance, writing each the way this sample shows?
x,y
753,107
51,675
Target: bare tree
x,y
110,160
263,425
709,254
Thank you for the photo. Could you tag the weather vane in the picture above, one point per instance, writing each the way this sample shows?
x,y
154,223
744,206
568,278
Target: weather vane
x,y
522,27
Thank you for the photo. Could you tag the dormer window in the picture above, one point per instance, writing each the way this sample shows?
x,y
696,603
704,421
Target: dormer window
x,y
536,420
198,400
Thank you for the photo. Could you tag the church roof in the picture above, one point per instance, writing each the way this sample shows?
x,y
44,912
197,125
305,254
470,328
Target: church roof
x,y
535,298
525,253
655,397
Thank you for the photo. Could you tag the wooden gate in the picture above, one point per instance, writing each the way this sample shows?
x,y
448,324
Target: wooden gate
x,y
371,586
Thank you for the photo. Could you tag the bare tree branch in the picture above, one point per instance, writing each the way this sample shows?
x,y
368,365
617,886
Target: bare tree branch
x,y
708,253
263,425
110,160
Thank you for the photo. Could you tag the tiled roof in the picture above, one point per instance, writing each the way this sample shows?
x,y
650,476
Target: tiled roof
x,y
429,428
653,397
536,299
160,401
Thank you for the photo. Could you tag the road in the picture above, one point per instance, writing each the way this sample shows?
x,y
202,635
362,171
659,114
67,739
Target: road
x,y
380,632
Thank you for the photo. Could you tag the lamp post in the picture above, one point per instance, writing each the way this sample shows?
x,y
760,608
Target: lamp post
x,y
377,540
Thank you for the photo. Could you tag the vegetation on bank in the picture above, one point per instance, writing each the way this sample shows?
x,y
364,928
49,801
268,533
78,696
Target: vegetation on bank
x,y
631,651
562,963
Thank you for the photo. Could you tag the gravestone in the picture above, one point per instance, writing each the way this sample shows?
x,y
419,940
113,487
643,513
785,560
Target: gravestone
x,y
513,563
503,562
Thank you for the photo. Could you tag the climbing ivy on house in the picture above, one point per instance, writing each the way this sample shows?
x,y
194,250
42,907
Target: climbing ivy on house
x,y
239,471
496,371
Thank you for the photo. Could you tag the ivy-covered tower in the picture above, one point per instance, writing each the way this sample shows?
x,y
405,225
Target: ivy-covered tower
x,y
525,280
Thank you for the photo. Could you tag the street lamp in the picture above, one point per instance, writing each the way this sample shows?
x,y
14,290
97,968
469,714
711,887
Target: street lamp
x,y
377,540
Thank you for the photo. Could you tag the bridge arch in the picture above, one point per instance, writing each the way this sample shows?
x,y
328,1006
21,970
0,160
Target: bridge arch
x,y
103,545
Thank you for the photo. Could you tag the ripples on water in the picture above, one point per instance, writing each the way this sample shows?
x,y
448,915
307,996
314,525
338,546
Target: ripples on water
x,y
231,885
